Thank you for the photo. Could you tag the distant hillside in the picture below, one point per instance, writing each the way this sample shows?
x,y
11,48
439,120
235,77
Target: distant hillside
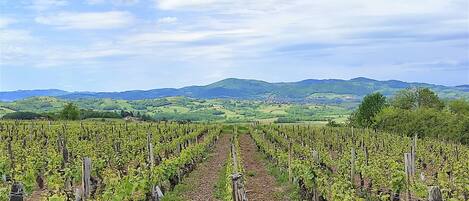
x,y
463,87
21,94
311,90
183,108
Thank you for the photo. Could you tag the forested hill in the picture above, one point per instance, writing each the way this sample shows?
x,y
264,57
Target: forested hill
x,y
311,90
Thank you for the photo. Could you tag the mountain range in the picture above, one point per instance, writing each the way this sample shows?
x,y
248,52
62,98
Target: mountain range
x,y
310,90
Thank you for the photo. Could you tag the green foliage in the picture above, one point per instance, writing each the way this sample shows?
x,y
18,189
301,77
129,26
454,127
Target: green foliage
x,y
426,98
332,123
417,98
398,178
404,99
86,114
420,111
70,112
22,115
286,120
459,106
383,167
426,122
367,110
117,156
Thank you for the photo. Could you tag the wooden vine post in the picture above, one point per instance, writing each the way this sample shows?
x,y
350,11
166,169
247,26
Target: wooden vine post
x,y
352,166
239,193
151,157
316,160
86,178
10,154
290,176
235,176
434,194
235,158
155,192
414,151
315,156
17,192
408,172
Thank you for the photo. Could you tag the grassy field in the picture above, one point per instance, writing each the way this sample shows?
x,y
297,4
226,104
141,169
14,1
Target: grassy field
x,y
182,108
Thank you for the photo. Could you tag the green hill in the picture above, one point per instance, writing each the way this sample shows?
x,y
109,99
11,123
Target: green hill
x,y
306,91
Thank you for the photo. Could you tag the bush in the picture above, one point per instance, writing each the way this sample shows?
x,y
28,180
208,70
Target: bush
x,y
70,112
86,114
367,110
425,122
22,116
286,120
332,123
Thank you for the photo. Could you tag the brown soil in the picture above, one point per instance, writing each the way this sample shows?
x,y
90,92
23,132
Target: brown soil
x,y
259,184
37,195
203,179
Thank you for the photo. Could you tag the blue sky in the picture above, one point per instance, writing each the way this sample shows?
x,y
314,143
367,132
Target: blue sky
x,y
114,45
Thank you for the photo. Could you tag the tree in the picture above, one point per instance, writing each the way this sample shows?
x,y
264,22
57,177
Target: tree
x,y
22,115
70,112
367,110
404,99
420,111
426,98
460,106
415,98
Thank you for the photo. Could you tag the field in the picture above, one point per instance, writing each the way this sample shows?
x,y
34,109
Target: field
x,y
118,160
195,110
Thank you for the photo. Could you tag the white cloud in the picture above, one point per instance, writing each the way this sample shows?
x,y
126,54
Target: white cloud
x,y
88,20
15,45
167,20
41,5
175,4
356,35
153,38
114,2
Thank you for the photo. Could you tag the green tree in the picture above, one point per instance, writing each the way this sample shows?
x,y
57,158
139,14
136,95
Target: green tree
x,y
405,99
460,106
426,122
22,115
415,98
426,98
70,112
369,107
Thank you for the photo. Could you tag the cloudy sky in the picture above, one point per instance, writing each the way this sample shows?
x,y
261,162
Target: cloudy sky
x,y
114,45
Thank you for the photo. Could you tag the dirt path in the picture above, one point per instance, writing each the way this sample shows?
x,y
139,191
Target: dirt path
x,y
260,185
203,179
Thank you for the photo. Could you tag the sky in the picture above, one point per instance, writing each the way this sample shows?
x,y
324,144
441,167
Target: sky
x,y
116,45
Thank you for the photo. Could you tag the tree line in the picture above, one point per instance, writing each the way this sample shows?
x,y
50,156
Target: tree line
x,y
73,112
414,111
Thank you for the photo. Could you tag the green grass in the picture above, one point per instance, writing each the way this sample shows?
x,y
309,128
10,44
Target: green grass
x,y
251,173
176,194
222,182
281,177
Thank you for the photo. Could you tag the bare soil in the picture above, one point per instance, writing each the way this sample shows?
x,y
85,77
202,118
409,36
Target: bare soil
x,y
203,179
260,185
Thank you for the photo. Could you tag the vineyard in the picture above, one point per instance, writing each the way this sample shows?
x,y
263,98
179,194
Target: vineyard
x,y
117,160
347,164
121,161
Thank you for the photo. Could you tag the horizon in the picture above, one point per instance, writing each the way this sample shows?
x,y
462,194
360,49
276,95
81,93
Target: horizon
x,y
74,91
121,45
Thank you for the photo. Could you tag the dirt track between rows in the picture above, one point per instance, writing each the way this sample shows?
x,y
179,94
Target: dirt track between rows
x,y
205,176
260,185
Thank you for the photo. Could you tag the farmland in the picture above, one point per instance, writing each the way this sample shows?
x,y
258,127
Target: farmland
x,y
183,108
120,160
